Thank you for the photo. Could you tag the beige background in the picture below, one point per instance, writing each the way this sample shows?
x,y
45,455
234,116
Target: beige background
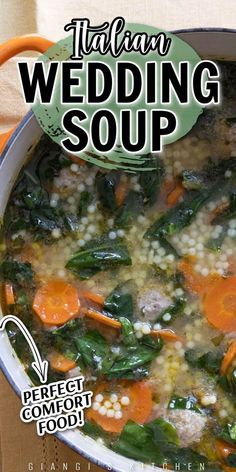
x,y
19,444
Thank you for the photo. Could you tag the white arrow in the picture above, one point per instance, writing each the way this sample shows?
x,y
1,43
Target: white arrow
x,y
40,366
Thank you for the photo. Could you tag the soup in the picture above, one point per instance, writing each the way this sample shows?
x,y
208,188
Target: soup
x,y
130,280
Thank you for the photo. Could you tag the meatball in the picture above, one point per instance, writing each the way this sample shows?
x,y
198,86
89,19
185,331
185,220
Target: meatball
x,y
151,303
189,425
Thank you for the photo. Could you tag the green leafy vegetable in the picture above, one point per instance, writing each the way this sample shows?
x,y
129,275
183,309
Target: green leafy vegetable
x,y
183,403
94,431
131,208
131,358
93,349
120,301
20,273
210,361
174,309
157,443
228,433
106,184
151,181
178,217
231,459
85,200
97,255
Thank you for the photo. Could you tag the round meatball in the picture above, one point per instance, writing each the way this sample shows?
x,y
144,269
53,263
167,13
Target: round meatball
x,y
151,303
189,425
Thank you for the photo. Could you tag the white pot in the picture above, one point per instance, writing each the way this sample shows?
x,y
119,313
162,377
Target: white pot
x,y
209,43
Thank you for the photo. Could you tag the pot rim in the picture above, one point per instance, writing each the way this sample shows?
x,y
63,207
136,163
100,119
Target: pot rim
x,y
3,366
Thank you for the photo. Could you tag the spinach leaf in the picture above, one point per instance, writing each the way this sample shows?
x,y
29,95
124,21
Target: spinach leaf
x,y
120,301
94,349
185,456
228,382
169,248
132,358
163,433
157,443
178,217
19,273
173,310
106,184
193,180
183,403
231,459
63,339
228,433
94,431
97,255
48,160
127,333
136,442
131,208
210,361
151,180
85,200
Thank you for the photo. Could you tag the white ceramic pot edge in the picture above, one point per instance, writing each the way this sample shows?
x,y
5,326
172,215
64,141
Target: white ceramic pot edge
x,y
209,43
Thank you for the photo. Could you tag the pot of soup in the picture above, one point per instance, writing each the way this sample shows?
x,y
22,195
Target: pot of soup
x,y
130,280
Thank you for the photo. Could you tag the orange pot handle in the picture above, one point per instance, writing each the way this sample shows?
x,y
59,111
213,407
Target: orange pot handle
x,y
15,46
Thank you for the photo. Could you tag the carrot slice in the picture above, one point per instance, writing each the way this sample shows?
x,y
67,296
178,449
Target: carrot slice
x,y
228,358
194,282
120,193
60,363
93,297
97,316
56,302
138,409
219,304
9,294
223,449
166,334
174,196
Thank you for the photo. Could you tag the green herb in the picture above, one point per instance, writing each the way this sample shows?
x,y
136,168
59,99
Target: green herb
x,y
136,442
133,357
97,255
151,180
85,200
157,443
93,349
120,301
127,332
178,217
228,382
19,273
131,208
169,248
183,403
94,431
210,361
174,309
106,184
231,459
228,433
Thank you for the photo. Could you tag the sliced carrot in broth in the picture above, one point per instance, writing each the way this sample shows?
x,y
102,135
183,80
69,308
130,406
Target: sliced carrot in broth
x,y
174,196
9,294
229,357
194,282
138,409
219,304
60,363
56,302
